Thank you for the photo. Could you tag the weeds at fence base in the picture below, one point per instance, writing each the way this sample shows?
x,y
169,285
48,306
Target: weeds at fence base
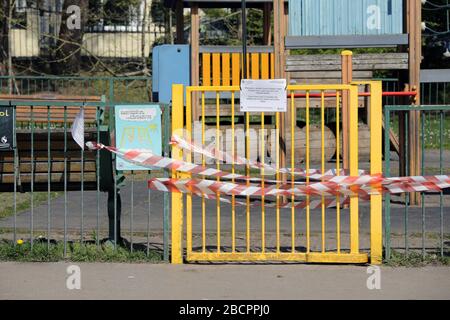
x,y
415,259
76,252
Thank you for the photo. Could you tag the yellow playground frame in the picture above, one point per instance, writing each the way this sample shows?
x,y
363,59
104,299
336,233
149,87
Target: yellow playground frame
x,y
182,118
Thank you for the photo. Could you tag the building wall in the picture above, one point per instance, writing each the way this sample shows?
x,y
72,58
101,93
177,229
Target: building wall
x,y
25,42
117,45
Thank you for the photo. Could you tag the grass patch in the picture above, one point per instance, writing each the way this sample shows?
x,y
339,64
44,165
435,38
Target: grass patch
x,y
415,259
432,132
76,252
429,235
23,201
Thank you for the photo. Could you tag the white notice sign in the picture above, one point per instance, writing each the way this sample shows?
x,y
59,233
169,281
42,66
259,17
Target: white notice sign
x,y
263,95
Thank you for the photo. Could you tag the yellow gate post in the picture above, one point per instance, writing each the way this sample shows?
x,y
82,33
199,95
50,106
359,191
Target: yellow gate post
x,y
353,164
376,201
177,198
376,167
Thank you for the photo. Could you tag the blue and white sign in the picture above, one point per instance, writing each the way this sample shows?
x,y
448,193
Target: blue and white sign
x,y
137,127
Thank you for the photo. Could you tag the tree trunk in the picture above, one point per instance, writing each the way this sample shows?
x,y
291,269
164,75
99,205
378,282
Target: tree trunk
x,y
68,46
145,26
239,26
4,36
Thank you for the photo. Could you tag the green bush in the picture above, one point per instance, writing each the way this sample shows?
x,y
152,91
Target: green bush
x,y
415,259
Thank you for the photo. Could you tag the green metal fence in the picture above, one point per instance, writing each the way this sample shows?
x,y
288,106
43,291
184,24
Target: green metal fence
x,y
425,229
53,191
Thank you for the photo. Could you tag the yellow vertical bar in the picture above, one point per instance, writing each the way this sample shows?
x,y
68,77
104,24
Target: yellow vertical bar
x,y
277,163
255,66
265,71
236,69
216,69
293,124
203,163
322,128
263,208
188,159
376,221
338,168
218,167
353,164
248,65
177,198
226,69
308,208
206,69
272,66
233,202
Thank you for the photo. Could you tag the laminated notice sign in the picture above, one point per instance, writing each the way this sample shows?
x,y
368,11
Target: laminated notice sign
x,y
138,127
263,95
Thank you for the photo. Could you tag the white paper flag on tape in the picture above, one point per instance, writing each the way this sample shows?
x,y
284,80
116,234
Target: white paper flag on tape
x,y
78,129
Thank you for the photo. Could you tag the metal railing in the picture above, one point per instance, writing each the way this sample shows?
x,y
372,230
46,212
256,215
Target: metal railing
x,y
242,233
412,229
54,191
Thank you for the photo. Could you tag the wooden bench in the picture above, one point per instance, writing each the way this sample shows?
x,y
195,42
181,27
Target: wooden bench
x,y
49,149
64,156
40,113
332,62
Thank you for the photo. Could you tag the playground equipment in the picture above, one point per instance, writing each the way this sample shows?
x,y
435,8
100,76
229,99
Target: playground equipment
x,y
390,24
221,66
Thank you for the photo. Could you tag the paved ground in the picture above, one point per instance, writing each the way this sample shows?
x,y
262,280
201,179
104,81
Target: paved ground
x,y
144,281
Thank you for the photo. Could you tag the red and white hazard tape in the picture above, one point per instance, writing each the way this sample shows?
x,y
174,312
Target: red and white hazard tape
x,y
396,185
216,154
327,189
147,159
333,186
168,185
211,187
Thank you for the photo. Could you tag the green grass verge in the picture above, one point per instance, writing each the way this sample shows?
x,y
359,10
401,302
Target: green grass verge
x,y
76,252
23,201
415,259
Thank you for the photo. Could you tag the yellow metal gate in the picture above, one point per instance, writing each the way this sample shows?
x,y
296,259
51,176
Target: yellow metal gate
x,y
243,231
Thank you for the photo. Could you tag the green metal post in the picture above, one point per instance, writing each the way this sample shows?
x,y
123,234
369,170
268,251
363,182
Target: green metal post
x,y
166,175
423,173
